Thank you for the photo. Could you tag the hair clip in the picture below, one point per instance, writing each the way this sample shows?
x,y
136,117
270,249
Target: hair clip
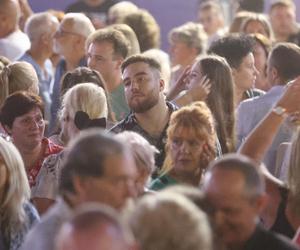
x,y
83,121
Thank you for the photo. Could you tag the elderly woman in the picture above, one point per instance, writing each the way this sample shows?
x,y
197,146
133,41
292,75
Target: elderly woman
x,y
144,156
83,106
190,146
22,117
17,215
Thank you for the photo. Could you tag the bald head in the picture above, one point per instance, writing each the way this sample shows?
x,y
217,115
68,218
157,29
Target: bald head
x,y
9,16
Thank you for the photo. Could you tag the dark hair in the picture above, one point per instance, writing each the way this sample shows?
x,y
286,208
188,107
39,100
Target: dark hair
x,y
234,47
252,5
254,181
115,37
285,57
18,104
87,155
141,58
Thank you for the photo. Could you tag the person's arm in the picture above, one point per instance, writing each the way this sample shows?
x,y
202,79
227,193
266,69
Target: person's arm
x,y
259,140
26,12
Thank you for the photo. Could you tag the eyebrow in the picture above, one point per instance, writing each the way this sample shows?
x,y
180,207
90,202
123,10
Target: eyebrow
x,y
137,74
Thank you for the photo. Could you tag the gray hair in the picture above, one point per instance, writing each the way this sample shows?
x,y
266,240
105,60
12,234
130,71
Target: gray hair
x,y
81,24
254,181
153,223
39,24
190,33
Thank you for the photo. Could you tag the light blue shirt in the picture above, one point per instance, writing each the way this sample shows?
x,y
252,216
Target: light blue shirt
x,y
250,112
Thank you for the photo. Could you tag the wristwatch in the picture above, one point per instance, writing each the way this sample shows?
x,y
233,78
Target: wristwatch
x,y
278,110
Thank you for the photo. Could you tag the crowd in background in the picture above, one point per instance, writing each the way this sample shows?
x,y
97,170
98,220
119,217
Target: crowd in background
x,y
108,142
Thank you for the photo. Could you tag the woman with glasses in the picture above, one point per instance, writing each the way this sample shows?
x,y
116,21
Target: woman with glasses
x,y
22,117
190,146
16,214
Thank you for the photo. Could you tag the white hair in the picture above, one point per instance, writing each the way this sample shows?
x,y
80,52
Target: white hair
x,y
39,24
81,24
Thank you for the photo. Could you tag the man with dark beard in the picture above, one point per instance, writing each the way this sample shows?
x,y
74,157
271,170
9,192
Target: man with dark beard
x,y
150,113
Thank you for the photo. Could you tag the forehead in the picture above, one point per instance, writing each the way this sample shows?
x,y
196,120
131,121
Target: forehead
x,y
102,47
184,131
222,184
281,9
136,68
32,113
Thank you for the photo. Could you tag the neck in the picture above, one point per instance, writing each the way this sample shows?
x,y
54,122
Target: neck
x,y
155,119
184,177
113,83
238,96
31,156
39,56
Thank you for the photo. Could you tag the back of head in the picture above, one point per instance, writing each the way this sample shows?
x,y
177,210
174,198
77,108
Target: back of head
x,y
86,157
17,76
285,58
39,24
16,189
80,75
86,97
153,223
10,14
192,34
80,23
118,11
131,37
238,20
115,37
145,27
94,223
253,178
233,47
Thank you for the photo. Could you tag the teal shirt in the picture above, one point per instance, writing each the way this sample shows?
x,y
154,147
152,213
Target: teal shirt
x,y
162,182
118,102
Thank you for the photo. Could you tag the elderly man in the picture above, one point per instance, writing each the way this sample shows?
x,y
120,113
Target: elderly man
x,y
236,190
97,227
106,50
13,42
40,29
69,42
144,94
97,168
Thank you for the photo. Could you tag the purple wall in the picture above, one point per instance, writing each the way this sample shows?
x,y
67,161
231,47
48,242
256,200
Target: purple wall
x,y
168,13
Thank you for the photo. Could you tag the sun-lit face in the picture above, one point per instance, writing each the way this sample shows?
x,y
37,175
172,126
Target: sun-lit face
x,y
27,130
235,213
211,20
143,86
195,75
181,53
186,148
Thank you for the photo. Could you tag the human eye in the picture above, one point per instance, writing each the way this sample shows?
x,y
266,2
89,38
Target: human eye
x,y
176,141
26,121
126,82
140,79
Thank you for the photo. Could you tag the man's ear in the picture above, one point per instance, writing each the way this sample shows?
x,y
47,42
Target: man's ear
x,y
260,203
79,184
161,85
119,61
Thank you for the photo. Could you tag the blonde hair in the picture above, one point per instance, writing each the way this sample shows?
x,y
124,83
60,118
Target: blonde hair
x,y
80,23
197,117
152,223
117,12
87,97
17,76
16,190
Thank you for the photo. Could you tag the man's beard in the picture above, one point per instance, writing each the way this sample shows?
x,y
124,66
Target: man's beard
x,y
145,105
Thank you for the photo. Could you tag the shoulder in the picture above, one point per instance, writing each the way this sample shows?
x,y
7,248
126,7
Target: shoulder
x,y
123,125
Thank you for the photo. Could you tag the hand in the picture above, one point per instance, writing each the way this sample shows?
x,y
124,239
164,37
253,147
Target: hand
x,y
290,100
200,91
180,85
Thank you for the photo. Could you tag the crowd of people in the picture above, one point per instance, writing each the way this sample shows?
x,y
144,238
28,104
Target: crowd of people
x,y
108,142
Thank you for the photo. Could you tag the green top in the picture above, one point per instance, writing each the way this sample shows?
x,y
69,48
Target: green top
x,y
118,103
162,182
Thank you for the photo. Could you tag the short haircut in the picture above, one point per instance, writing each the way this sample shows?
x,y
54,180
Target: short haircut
x,y
283,3
233,47
86,157
254,181
115,37
89,217
211,5
192,34
153,223
141,58
18,104
80,23
39,24
285,58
